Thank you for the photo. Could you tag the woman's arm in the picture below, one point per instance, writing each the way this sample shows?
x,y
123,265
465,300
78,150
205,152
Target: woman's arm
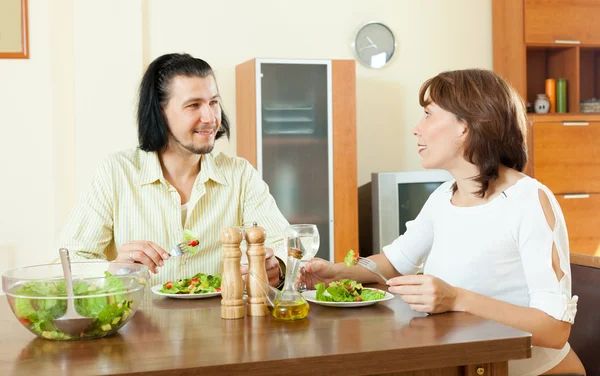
x,y
426,293
546,331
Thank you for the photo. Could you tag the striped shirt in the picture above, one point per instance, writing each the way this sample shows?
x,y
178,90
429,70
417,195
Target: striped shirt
x,y
129,199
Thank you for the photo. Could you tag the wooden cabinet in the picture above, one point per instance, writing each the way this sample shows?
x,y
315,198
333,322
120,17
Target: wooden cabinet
x,y
581,215
562,21
567,155
538,39
566,158
529,46
296,123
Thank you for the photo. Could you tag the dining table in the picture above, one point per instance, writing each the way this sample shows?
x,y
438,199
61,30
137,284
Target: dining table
x,y
169,336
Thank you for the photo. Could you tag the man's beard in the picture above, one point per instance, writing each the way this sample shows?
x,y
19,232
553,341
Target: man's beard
x,y
198,149
193,148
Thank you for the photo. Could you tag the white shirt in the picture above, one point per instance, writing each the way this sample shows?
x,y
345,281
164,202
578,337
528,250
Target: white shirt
x,y
502,249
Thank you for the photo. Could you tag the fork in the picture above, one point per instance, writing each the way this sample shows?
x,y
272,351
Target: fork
x,y
371,266
177,249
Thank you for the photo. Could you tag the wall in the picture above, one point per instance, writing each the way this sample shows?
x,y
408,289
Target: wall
x,y
73,102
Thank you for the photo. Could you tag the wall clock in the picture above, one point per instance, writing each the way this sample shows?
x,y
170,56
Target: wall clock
x,y
374,45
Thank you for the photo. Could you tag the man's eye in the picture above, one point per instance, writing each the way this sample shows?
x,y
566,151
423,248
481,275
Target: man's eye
x,y
193,105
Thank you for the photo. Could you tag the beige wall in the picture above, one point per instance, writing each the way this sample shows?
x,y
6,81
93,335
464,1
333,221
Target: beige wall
x,y
73,102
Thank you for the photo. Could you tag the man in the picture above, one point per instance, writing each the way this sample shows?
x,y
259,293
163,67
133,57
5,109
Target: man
x,y
142,200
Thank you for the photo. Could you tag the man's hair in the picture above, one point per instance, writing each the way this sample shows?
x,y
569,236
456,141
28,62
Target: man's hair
x,y
494,115
155,92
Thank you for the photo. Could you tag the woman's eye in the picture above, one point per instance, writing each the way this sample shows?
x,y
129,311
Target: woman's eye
x,y
214,103
427,114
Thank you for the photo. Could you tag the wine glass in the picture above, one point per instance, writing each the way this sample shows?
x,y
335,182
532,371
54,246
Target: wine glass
x,y
305,238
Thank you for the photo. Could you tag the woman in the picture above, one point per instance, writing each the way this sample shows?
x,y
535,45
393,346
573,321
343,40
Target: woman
x,y
493,242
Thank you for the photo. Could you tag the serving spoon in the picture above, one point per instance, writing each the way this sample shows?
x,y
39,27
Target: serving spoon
x,y
71,322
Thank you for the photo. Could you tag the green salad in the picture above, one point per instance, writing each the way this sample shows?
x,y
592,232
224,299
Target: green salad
x,y
351,258
38,312
199,284
346,290
190,242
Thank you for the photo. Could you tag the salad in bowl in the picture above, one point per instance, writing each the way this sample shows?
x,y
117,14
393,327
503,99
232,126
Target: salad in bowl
x,y
107,292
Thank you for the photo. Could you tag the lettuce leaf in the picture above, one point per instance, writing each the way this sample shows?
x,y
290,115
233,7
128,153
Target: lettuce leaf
x,y
351,258
346,290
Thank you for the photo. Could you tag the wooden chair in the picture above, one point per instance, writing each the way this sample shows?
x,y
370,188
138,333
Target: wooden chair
x,y
585,333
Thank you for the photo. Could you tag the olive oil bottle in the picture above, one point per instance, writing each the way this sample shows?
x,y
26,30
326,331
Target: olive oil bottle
x,y
290,310
287,304
290,304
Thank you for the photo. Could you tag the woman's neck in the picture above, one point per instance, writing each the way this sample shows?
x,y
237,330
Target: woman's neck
x,y
467,187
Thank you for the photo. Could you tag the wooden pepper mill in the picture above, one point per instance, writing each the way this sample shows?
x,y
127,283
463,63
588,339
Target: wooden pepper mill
x,y
255,237
232,285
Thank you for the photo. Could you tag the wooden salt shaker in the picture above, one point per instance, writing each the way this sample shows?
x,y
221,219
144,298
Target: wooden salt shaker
x,y
232,285
255,237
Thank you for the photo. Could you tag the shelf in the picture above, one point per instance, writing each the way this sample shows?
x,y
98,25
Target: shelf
x,y
572,116
553,61
289,119
589,61
309,108
291,140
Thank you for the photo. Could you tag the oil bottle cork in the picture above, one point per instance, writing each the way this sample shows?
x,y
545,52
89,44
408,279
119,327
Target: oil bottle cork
x,y
232,285
255,237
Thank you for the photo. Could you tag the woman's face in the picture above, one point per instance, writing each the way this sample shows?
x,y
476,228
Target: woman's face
x,y
439,137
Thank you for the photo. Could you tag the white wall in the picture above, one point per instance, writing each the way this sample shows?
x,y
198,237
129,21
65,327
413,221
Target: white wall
x,y
73,102
27,201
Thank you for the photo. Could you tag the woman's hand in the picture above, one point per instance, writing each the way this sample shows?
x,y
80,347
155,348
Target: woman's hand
x,y
317,270
143,252
424,293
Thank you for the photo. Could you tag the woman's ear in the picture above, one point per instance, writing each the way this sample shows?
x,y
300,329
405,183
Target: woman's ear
x,y
462,129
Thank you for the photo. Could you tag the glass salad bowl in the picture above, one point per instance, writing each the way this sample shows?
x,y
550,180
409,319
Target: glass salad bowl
x,y
108,292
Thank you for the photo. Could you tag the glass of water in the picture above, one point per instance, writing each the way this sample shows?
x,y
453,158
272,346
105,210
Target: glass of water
x,y
305,238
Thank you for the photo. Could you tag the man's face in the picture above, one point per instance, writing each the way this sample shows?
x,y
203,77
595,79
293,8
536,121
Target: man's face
x,y
193,114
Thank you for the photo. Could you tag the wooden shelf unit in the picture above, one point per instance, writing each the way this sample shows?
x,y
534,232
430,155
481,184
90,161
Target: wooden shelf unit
x,y
538,39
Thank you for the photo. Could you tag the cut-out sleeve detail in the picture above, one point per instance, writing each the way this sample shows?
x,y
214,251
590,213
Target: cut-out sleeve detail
x,y
535,241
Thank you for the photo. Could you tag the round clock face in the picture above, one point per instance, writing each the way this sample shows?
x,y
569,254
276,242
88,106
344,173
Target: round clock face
x,y
374,45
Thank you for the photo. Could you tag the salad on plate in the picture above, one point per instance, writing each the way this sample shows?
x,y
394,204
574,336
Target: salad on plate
x,y
346,290
198,284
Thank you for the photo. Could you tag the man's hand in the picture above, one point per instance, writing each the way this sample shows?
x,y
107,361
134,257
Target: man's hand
x,y
272,266
424,293
317,270
143,252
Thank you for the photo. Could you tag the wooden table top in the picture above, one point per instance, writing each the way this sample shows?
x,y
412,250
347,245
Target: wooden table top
x,y
585,260
190,336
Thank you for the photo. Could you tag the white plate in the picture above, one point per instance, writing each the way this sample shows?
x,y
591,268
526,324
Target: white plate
x,y
311,296
156,290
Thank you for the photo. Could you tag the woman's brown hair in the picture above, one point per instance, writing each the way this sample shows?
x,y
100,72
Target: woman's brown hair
x,y
494,115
